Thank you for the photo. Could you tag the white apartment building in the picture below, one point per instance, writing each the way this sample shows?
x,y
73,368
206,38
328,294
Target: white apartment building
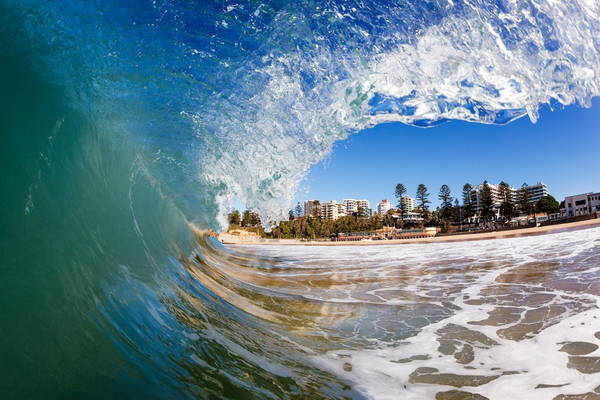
x,y
353,205
333,210
536,192
412,217
384,206
365,204
408,203
582,204
476,194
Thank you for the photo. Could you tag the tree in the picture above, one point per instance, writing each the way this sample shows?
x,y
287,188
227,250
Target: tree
x,y
525,205
316,211
399,192
547,204
468,209
446,199
457,212
234,218
298,210
360,213
422,197
388,219
486,202
507,204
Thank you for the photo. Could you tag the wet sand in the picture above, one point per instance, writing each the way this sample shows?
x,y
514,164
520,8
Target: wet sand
x,y
450,238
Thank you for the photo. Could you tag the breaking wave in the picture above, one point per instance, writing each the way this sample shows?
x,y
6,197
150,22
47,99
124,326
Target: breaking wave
x,y
124,124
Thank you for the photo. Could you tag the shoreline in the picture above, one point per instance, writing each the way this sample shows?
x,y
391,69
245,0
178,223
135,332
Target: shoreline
x,y
540,230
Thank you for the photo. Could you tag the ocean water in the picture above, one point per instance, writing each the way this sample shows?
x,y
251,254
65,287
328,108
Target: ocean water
x,y
127,129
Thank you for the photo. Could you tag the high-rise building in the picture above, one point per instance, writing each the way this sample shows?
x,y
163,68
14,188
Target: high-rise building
x,y
353,205
476,195
332,210
408,203
384,206
312,207
536,192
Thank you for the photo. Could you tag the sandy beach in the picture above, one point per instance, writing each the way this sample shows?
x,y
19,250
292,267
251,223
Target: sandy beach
x,y
450,238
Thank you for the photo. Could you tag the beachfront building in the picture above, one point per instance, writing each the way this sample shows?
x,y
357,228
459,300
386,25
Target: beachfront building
x,y
353,205
364,204
333,210
536,192
384,206
476,196
408,203
312,207
412,217
582,204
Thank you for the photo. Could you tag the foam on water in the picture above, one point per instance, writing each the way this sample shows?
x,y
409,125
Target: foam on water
x,y
494,316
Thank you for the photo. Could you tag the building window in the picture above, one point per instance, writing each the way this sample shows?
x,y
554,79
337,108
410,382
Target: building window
x,y
580,202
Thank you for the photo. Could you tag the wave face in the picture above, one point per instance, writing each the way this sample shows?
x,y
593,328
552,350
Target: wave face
x,y
123,124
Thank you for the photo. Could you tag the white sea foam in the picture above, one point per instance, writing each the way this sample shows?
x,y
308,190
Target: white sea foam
x,y
470,280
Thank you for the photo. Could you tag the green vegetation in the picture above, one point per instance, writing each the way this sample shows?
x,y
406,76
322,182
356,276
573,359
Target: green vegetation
x,y
399,192
547,204
526,207
507,204
422,198
446,216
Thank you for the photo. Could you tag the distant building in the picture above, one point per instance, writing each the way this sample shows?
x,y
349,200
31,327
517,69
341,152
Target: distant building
x,y
310,206
476,194
353,205
408,203
384,206
333,210
412,217
536,192
365,204
582,204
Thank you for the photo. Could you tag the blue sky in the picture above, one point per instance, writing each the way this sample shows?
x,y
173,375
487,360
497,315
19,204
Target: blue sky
x,y
561,149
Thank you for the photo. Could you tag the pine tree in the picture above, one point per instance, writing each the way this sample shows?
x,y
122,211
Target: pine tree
x,y
525,205
486,202
446,199
468,202
422,197
399,192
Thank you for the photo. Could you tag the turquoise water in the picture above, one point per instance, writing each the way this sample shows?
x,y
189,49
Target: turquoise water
x,y
124,125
